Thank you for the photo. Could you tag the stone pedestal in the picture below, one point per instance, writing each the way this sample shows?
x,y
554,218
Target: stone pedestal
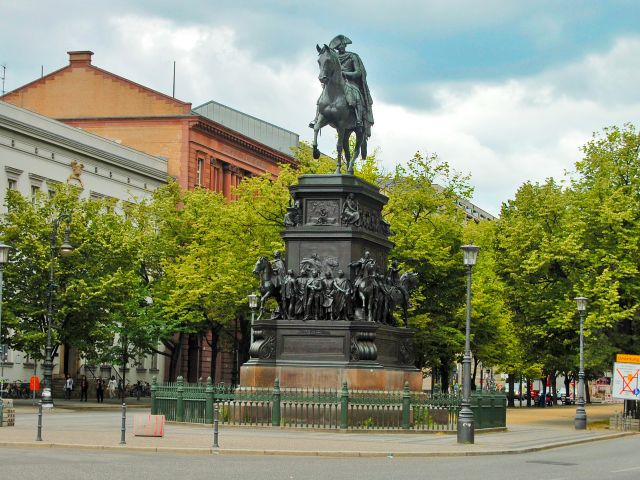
x,y
333,221
321,231
323,354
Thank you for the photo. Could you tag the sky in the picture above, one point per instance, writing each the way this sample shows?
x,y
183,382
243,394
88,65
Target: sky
x,y
506,91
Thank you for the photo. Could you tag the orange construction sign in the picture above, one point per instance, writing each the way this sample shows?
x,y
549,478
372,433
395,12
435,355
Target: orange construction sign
x,y
34,383
627,358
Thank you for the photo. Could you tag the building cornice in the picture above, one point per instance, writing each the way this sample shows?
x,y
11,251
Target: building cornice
x,y
81,148
212,128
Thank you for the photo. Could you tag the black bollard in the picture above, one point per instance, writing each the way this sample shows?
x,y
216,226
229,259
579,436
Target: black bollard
x,y
39,437
216,411
124,424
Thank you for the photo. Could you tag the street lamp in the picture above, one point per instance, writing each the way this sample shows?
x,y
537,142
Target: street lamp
x,y
466,429
253,304
4,257
581,414
64,250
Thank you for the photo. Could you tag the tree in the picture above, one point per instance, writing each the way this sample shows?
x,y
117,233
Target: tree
x,y
606,208
427,227
492,332
103,268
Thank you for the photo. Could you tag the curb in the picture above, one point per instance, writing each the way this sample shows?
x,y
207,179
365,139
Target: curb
x,y
319,453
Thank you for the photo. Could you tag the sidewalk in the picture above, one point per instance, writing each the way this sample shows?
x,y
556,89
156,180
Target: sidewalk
x,y
99,428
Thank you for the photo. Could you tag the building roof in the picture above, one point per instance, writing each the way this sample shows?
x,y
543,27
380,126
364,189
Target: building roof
x,y
82,90
266,133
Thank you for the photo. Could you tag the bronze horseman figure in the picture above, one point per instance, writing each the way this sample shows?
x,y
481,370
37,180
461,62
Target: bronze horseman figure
x,y
345,102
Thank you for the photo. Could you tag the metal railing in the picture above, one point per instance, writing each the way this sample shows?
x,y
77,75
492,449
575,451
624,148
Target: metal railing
x,y
322,408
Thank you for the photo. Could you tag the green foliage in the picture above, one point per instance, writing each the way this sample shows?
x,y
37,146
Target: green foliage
x,y
93,288
556,243
427,230
493,341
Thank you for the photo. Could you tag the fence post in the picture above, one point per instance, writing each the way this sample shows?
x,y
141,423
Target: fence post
x,y
275,404
208,409
154,393
180,400
494,411
406,406
344,406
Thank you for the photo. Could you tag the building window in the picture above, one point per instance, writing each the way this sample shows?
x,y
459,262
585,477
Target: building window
x,y
154,361
12,184
34,192
199,170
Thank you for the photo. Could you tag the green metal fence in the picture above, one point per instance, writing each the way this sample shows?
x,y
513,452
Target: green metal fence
x,y
323,408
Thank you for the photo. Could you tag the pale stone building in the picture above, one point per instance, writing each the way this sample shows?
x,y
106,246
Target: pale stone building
x,y
36,153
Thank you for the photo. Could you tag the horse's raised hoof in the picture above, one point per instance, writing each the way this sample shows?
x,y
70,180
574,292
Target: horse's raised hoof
x,y
316,152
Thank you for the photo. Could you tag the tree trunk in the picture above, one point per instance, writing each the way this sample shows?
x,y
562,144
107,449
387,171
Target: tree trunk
x,y
520,389
175,358
214,353
510,398
528,392
444,376
587,393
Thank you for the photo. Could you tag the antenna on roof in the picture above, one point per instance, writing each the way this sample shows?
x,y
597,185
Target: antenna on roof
x,y
41,71
174,79
4,74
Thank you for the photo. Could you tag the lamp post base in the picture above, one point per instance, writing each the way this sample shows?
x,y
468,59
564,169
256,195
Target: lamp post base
x,y
580,421
466,426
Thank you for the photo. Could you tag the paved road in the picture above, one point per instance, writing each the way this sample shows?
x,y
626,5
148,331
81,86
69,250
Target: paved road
x,y
616,459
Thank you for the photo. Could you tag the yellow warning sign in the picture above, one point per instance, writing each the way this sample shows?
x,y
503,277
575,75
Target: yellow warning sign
x,y
627,358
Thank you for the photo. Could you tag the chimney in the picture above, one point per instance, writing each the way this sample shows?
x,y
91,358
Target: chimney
x,y
80,58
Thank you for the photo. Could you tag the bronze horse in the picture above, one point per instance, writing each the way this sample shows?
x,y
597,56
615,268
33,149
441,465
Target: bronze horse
x,y
333,110
399,297
366,293
269,284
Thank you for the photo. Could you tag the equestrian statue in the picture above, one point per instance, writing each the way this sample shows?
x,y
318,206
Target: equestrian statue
x,y
345,101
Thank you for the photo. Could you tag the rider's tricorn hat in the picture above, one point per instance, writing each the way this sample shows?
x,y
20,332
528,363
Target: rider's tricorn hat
x,y
339,40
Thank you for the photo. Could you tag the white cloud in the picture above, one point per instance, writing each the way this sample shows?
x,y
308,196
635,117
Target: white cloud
x,y
502,133
521,129
210,65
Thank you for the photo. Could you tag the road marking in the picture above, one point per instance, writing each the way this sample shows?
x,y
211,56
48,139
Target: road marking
x,y
625,470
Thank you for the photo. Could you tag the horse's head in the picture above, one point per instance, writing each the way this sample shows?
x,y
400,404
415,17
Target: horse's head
x,y
409,280
328,62
261,264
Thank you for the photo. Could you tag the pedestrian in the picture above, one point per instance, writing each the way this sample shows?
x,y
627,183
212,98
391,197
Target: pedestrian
x,y
100,390
68,387
84,388
138,389
120,387
111,387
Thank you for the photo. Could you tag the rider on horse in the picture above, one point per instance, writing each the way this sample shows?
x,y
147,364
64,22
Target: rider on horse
x,y
363,266
357,91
